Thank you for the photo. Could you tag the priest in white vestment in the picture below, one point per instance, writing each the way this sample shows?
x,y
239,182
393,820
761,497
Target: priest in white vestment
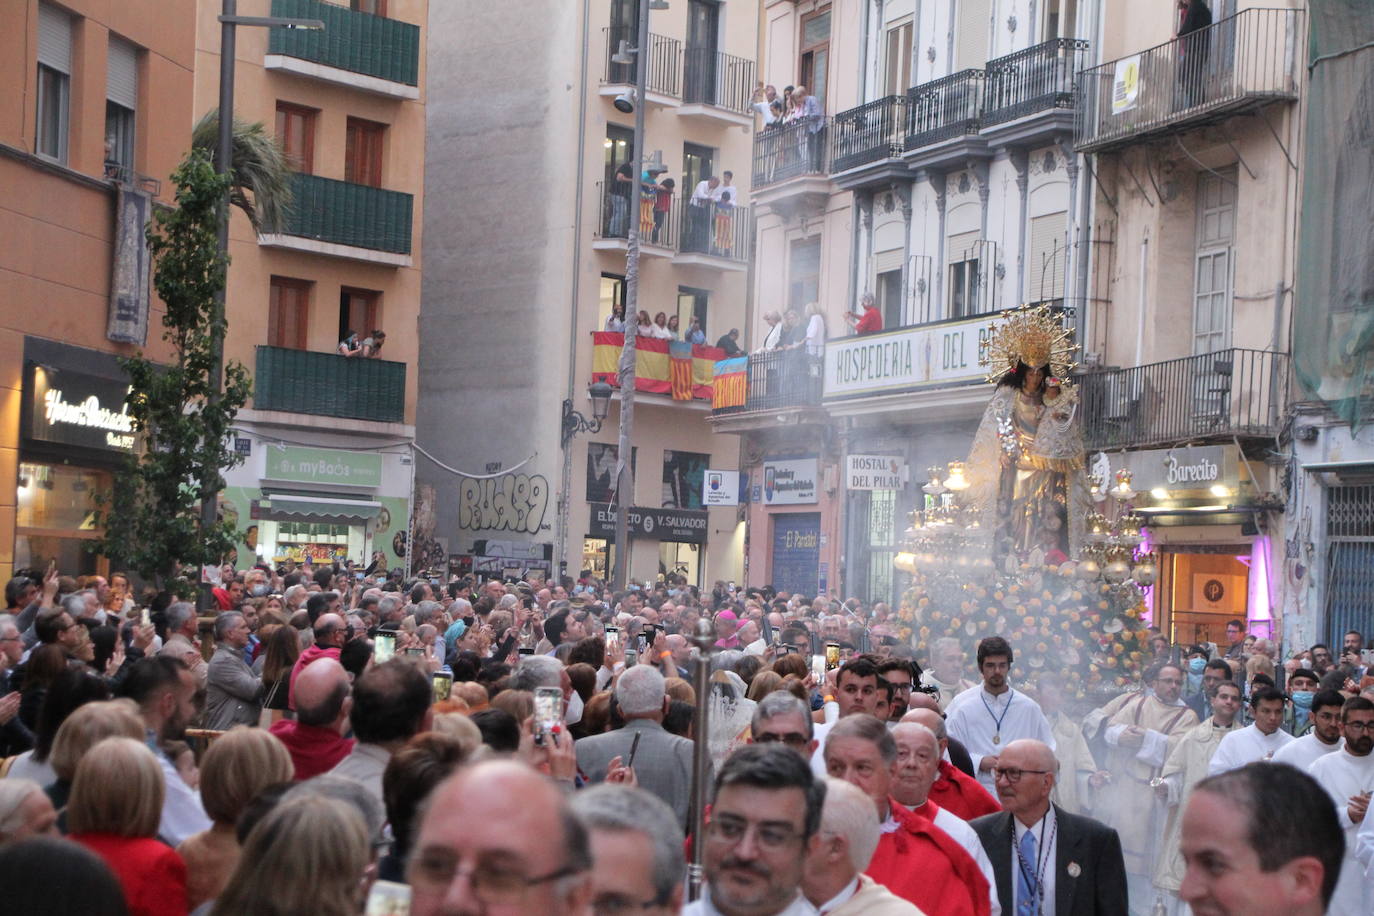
x,y
1260,740
946,671
1137,728
1185,768
992,716
1076,761
1348,777
1325,737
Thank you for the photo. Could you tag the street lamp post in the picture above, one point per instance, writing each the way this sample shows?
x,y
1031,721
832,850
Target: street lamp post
x,y
624,488
224,154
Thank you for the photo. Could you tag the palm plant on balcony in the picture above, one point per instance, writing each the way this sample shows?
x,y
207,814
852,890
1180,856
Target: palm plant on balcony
x,y
261,175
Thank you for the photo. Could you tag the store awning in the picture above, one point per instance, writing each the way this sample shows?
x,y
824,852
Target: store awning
x,y
279,508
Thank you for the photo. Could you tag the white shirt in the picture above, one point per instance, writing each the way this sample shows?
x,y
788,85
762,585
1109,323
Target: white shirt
x,y
1343,775
734,194
703,193
815,336
1305,751
770,340
703,907
183,816
662,333
1046,832
973,718
1244,746
840,899
819,731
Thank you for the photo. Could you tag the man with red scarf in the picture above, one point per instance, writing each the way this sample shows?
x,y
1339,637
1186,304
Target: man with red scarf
x,y
915,860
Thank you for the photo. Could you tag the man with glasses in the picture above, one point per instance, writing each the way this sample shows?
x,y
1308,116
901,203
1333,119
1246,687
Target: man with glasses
x,y
15,736
900,674
637,858
1048,862
781,718
499,838
1326,734
1185,768
1137,728
1348,776
763,826
915,860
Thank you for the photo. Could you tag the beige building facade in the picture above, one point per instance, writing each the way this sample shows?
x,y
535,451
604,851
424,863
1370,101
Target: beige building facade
x,y
527,231
327,437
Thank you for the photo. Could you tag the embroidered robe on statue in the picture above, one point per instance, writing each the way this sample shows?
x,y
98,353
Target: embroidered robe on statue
x,y
921,863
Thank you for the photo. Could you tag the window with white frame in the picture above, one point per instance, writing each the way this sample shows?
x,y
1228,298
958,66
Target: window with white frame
x,y
54,82
964,289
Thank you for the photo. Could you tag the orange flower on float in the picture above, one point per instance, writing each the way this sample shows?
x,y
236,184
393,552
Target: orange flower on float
x,y
925,633
924,602
1041,648
1028,621
1102,605
1064,626
997,595
1077,595
954,623
1046,595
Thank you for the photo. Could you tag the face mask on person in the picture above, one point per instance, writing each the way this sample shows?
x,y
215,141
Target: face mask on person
x,y
1302,699
1197,665
259,591
573,714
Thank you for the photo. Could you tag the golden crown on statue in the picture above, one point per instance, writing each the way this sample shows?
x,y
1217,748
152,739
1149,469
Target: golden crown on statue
x,y
1031,334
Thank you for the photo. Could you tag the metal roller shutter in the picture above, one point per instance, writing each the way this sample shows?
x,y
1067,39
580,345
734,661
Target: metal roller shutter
x,y
121,83
971,40
54,38
1045,257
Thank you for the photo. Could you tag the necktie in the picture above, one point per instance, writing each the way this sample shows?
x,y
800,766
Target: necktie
x,y
1027,881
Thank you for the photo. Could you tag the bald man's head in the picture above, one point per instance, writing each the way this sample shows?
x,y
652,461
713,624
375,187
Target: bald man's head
x,y
1024,778
931,719
918,763
921,700
500,810
321,694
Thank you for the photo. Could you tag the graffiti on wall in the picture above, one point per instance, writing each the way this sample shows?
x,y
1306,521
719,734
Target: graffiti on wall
x,y
511,502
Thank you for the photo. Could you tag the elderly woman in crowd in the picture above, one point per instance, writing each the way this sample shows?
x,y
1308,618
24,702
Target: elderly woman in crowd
x,y
238,765
115,807
25,811
84,729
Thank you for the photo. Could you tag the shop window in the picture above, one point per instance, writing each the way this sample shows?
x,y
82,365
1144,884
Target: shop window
x,y
288,313
1202,591
363,152
678,559
296,134
683,476
598,556
55,517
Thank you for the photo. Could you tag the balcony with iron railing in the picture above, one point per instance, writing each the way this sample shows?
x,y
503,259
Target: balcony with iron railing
x,y
1236,65
355,49
792,166
871,133
949,108
663,77
347,220
1039,80
717,88
777,380
329,385
1223,395
715,235
659,215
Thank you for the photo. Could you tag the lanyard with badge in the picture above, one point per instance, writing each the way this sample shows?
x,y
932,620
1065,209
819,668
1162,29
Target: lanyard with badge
x,y
1042,861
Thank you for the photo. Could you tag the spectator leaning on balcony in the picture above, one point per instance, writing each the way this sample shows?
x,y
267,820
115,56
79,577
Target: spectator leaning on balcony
x,y
350,345
815,331
813,138
695,335
674,328
773,339
660,328
372,345
699,211
727,186
621,185
870,320
764,99
644,327
615,321
793,333
729,343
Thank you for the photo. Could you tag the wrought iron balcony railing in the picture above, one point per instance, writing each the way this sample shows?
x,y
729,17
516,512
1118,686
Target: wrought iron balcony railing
x,y
944,108
1236,64
779,379
722,80
1031,80
659,215
869,133
1225,394
790,151
663,76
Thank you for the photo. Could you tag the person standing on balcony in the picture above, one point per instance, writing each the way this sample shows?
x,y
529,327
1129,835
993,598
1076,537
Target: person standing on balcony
x,y
1194,39
660,327
350,346
615,322
764,97
813,136
700,208
621,186
644,327
773,339
815,331
372,345
730,343
727,186
663,202
695,335
674,328
870,321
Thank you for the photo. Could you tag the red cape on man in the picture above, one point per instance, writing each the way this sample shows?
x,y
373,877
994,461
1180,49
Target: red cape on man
x,y
960,794
921,863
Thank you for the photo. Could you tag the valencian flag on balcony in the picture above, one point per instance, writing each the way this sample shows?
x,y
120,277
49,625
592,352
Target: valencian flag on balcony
x,y
731,383
654,364
680,369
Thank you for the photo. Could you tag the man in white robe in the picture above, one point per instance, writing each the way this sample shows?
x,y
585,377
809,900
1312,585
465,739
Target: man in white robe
x,y
989,718
1137,729
946,671
1076,762
918,763
1348,777
1185,768
1325,737
1260,740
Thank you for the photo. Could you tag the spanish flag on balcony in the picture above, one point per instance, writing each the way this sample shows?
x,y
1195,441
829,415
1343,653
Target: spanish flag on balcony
x,y
661,366
731,382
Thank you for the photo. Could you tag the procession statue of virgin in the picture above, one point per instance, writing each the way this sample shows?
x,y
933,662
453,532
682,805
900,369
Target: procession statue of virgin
x,y
1026,474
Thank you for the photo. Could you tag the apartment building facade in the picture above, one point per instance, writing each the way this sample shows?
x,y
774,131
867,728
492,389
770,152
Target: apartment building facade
x,y
949,188
527,260
97,117
327,438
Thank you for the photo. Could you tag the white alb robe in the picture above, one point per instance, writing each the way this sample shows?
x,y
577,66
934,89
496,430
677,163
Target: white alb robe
x,y
1185,768
1305,751
1246,746
986,724
1344,775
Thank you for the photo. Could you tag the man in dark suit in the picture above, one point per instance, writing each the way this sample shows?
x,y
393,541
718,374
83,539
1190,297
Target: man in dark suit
x,y
1047,861
662,762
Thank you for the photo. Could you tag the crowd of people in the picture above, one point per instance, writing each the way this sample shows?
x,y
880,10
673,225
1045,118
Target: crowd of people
x,y
327,740
707,218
